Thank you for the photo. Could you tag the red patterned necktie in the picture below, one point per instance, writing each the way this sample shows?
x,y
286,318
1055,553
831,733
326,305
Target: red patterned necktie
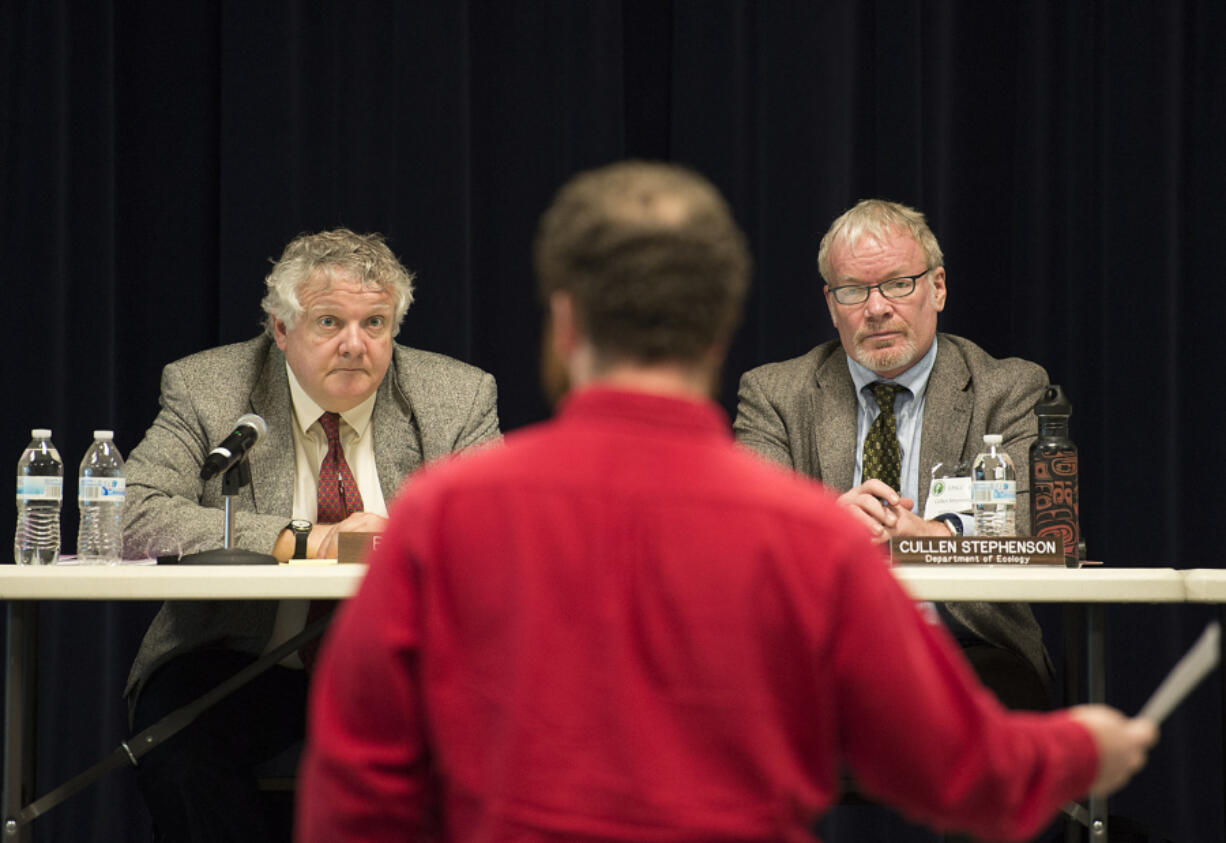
x,y
337,497
337,493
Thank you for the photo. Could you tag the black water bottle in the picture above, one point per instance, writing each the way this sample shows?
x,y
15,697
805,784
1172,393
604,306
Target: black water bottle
x,y
1053,475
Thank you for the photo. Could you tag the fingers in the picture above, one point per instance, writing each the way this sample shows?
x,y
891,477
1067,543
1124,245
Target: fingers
x,y
362,522
322,543
1149,731
911,525
883,511
1123,744
866,503
877,532
878,490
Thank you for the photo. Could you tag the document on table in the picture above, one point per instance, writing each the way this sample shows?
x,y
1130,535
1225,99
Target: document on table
x,y
1186,675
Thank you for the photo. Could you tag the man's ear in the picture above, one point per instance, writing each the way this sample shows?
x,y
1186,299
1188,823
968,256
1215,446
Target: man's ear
x,y
830,305
564,327
559,342
938,289
279,332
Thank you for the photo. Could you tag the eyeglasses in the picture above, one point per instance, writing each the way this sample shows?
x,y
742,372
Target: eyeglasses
x,y
891,288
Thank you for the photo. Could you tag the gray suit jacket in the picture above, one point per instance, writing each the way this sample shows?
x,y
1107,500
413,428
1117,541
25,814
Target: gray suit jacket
x,y
801,413
428,405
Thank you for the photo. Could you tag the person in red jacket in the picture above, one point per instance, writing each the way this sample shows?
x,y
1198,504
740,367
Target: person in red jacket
x,y
621,626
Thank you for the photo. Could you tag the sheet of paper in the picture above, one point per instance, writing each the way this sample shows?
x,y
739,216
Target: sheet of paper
x,y
1186,675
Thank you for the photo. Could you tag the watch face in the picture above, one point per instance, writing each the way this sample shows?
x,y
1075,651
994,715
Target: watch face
x,y
299,525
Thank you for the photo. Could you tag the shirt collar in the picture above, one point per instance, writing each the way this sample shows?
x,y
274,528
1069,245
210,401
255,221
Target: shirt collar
x,y
915,379
307,412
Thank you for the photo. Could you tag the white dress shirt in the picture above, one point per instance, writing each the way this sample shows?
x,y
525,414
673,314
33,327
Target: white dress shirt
x,y
310,448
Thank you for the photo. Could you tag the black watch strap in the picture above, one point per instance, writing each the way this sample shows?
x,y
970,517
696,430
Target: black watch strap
x,y
954,522
301,530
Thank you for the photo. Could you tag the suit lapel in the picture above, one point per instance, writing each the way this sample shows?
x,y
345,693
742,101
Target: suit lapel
x,y
948,404
272,459
397,449
834,415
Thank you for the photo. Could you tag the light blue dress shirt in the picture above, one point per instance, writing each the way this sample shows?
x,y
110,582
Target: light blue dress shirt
x,y
908,411
909,414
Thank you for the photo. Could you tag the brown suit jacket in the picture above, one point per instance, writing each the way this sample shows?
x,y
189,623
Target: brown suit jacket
x,y
801,413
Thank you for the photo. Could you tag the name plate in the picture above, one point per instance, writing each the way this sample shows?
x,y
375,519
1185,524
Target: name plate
x,y
978,550
353,547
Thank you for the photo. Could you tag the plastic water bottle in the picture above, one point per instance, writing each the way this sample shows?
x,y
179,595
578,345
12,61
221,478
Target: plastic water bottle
x,y
100,493
994,490
1053,475
40,491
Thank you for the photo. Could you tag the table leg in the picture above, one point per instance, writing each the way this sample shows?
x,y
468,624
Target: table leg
x,y
1073,620
20,683
1096,691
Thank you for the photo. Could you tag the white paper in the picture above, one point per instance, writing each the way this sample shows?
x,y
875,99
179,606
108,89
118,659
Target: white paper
x,y
1186,675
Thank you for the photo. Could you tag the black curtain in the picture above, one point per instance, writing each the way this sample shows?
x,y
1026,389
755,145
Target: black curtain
x,y
154,156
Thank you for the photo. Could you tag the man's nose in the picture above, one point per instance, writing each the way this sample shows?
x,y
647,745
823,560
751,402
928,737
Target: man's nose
x,y
353,341
877,304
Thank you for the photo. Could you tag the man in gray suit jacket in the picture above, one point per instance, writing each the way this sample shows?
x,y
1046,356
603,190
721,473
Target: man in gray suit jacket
x,y
334,303
885,285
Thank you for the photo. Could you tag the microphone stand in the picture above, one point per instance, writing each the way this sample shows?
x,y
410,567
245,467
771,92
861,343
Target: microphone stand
x,y
236,477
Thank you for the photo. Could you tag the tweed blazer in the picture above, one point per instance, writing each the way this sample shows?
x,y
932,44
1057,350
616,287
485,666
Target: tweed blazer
x,y
428,405
801,413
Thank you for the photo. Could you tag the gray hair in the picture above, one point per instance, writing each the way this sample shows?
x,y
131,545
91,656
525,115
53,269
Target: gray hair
x,y
877,219
331,253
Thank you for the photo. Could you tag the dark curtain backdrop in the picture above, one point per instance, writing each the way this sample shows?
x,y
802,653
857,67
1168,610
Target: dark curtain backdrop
x,y
155,156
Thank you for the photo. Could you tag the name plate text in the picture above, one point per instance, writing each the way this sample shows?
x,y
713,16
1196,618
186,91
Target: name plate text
x,y
978,550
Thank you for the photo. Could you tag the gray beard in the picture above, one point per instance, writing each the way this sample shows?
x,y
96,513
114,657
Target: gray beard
x,y
886,359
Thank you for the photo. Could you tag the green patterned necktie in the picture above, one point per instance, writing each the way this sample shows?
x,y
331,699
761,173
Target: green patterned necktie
x,y
881,457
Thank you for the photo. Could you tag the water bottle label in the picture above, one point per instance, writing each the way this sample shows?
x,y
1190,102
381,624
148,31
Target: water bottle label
x,y
995,491
101,488
39,488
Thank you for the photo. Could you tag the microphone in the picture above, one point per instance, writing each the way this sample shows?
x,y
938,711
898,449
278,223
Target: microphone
x,y
247,431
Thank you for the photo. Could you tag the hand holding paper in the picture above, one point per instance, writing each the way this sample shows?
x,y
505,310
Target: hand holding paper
x,y
1122,743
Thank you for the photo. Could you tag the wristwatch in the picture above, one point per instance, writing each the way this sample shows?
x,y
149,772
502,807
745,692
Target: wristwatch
x,y
301,528
953,522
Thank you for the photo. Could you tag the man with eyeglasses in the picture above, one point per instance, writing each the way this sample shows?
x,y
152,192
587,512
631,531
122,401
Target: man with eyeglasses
x,y
821,415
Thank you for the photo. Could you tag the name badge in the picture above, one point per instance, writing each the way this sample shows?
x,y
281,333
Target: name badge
x,y
948,494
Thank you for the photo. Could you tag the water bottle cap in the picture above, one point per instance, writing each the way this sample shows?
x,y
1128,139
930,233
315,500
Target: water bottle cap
x,y
104,434
41,433
991,439
1053,403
